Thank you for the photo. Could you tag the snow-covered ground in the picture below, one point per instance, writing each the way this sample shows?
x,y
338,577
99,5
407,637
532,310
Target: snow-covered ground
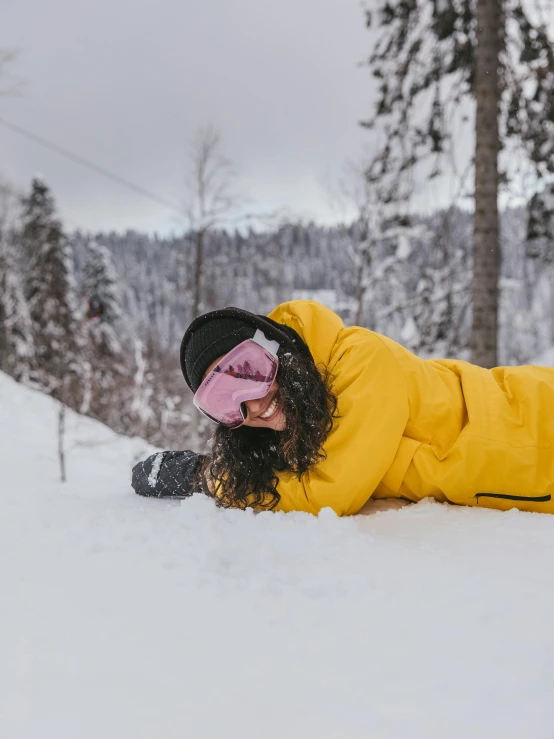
x,y
128,618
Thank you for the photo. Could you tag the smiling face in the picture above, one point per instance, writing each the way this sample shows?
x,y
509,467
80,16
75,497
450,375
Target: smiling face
x,y
266,412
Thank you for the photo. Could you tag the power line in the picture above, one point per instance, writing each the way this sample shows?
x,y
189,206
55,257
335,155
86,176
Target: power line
x,y
89,165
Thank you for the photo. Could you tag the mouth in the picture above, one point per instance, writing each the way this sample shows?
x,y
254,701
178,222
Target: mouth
x,y
271,411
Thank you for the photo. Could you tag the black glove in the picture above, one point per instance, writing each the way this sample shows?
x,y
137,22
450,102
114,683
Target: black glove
x,y
167,474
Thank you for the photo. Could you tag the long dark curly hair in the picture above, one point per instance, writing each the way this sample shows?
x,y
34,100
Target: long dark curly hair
x,y
241,469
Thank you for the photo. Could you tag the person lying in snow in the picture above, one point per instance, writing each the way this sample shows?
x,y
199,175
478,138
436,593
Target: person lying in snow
x,y
312,414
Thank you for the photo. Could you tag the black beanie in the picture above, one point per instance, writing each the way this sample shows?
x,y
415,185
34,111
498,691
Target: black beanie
x,y
213,334
210,341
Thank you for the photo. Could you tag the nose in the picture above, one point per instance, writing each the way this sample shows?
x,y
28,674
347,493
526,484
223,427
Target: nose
x,y
255,406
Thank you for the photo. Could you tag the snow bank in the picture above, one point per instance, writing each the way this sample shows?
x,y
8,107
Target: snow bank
x,y
133,618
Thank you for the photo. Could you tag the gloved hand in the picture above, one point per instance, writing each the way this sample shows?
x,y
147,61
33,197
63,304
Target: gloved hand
x,y
167,474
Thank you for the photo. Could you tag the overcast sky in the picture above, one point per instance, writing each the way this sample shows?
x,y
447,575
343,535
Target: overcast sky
x,y
127,84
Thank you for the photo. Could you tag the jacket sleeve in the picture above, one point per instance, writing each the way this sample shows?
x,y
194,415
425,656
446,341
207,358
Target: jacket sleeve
x,y
373,412
167,475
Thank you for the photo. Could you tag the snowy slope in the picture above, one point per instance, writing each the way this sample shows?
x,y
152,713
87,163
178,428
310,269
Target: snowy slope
x,y
127,618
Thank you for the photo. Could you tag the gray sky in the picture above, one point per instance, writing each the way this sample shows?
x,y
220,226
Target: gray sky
x,y
127,84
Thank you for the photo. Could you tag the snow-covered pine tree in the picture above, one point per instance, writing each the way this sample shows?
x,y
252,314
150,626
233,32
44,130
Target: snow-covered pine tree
x,y
540,224
107,359
16,333
101,285
16,336
103,299
438,61
61,367
159,406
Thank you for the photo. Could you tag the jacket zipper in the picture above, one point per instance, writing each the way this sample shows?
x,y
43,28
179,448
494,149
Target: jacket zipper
x,y
531,499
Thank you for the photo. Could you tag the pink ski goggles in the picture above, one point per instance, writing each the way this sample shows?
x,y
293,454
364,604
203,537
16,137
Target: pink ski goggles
x,y
245,373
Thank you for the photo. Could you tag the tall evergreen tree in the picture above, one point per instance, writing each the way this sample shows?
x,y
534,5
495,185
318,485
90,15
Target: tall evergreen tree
x,y
16,334
101,285
102,294
109,367
436,60
51,293
16,339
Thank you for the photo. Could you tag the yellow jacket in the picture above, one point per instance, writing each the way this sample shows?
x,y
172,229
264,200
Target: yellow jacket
x,y
413,428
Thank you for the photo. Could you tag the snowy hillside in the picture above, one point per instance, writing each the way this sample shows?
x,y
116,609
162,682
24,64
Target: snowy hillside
x,y
125,618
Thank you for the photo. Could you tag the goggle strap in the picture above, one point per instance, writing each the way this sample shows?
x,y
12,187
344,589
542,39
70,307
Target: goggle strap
x,y
268,344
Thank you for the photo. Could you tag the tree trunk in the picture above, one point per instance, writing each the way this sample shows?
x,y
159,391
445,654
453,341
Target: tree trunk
x,y
199,244
485,235
360,293
61,441
361,286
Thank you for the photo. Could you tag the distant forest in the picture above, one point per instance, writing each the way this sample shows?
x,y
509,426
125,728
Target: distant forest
x,y
418,293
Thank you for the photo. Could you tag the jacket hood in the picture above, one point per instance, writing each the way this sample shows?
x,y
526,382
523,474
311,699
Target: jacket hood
x,y
317,326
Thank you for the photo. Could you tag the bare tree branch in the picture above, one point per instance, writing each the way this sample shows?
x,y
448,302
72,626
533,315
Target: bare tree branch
x,y
212,196
212,182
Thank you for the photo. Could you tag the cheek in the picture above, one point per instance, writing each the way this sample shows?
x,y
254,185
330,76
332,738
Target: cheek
x,y
281,423
273,390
